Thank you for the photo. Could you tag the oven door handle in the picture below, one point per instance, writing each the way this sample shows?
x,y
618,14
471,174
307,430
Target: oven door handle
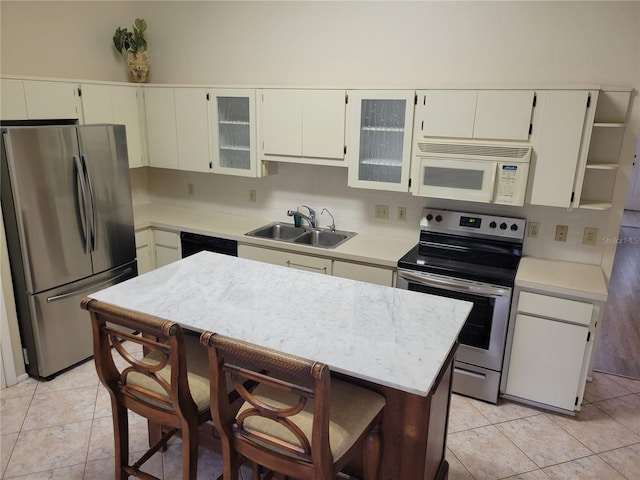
x,y
455,285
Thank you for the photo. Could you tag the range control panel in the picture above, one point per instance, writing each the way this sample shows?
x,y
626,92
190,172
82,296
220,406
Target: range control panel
x,y
472,224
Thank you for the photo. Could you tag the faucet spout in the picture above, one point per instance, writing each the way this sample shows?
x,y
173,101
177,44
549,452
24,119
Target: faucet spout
x,y
310,219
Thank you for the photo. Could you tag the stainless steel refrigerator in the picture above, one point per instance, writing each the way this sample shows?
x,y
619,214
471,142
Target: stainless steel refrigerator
x,y
66,204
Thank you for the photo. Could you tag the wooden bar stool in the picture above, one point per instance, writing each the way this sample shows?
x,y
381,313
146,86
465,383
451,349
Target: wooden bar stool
x,y
168,386
297,421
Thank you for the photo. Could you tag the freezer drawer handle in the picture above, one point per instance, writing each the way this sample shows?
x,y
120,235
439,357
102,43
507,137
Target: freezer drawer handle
x,y
469,373
90,287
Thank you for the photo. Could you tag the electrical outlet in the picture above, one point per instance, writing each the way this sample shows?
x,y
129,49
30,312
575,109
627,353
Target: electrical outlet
x,y
252,196
382,211
561,233
534,229
590,236
190,189
402,214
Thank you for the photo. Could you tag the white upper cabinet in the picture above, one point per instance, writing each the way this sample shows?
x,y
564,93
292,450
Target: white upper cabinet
x,y
559,123
118,104
52,100
379,139
192,126
160,114
302,126
233,132
477,114
177,128
12,101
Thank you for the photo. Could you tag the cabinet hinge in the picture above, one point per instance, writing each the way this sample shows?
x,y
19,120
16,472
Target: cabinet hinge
x,y
25,356
346,98
576,404
208,96
415,99
530,128
422,125
345,149
535,99
210,164
79,91
573,195
424,100
588,100
409,183
588,336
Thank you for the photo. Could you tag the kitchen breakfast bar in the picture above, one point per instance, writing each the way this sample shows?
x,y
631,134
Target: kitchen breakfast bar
x,y
396,342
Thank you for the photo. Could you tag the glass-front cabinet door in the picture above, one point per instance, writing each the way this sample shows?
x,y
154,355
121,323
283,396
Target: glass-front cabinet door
x,y
233,132
379,139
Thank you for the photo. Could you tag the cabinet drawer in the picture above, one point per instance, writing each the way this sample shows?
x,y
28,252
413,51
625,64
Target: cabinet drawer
x,y
363,273
554,307
166,238
286,259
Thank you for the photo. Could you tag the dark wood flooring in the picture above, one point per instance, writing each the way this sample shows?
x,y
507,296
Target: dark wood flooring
x,y
618,348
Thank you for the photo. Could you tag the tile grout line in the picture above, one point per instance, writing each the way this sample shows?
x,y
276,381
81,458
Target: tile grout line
x,y
4,472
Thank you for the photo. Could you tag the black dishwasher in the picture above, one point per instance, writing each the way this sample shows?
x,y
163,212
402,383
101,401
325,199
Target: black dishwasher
x,y
193,243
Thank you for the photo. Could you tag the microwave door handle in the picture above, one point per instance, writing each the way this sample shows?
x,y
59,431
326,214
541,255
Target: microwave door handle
x,y
454,285
492,178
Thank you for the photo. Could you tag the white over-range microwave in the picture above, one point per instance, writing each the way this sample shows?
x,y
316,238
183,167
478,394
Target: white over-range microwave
x,y
472,172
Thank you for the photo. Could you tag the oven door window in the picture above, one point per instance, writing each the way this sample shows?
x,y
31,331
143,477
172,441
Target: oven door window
x,y
476,331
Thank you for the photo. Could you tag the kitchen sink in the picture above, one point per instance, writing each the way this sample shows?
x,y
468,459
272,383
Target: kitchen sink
x,y
316,237
278,231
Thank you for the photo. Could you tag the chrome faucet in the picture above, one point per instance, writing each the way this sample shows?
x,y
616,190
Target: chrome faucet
x,y
311,219
331,227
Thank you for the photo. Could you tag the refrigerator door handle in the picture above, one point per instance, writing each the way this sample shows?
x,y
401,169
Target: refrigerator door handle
x,y
94,220
89,287
84,218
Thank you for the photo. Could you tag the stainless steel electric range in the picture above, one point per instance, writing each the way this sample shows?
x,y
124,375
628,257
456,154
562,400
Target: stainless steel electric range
x,y
475,258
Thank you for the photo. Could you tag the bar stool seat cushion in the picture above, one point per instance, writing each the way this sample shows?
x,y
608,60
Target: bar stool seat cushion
x,y
352,410
197,377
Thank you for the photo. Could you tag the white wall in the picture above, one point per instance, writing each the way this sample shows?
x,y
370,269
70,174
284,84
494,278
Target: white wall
x,y
347,44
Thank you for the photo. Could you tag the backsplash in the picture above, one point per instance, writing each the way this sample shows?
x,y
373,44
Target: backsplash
x,y
353,208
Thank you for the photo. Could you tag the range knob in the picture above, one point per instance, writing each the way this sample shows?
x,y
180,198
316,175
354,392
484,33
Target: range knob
x,y
429,217
438,218
493,225
503,226
514,227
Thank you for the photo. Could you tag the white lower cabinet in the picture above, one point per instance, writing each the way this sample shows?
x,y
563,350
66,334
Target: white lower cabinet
x,y
144,250
286,259
167,247
156,247
363,273
548,359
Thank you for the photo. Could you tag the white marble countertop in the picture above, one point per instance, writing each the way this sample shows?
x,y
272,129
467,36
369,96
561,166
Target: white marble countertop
x,y
373,249
562,278
389,336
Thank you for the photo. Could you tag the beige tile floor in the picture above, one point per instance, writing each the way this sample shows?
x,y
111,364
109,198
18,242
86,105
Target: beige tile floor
x,y
62,430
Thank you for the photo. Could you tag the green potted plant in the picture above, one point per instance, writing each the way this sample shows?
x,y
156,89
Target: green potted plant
x,y
134,45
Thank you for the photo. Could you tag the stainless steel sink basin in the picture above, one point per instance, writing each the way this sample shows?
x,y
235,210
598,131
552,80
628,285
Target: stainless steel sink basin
x,y
316,237
278,231
322,238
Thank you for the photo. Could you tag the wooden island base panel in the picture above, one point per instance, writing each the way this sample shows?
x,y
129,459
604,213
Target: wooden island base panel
x,y
414,430
396,342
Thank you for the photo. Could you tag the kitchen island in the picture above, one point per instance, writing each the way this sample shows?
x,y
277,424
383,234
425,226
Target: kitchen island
x,y
394,341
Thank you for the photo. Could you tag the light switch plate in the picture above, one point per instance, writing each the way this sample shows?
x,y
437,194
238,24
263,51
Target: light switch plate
x,y
590,236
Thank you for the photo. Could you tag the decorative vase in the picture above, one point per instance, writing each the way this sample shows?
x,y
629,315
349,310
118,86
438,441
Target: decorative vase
x,y
139,64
